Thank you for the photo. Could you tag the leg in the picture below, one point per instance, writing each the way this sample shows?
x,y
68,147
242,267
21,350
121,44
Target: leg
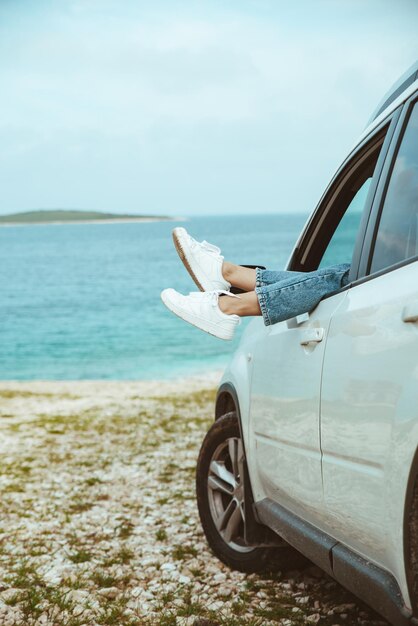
x,y
219,315
238,276
300,294
296,293
247,304
248,279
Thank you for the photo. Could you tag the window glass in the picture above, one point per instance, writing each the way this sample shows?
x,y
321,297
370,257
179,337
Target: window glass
x,y
341,246
397,232
332,236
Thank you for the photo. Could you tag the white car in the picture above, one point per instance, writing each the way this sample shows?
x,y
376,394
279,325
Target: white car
x,y
315,439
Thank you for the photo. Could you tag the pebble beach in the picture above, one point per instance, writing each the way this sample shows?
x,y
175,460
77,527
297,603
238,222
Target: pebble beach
x,y
99,523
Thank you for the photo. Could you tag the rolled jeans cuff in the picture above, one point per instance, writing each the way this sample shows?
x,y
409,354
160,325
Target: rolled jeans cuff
x,y
259,277
262,301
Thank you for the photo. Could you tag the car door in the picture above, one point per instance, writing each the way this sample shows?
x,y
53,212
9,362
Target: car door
x,y
369,382
287,362
284,407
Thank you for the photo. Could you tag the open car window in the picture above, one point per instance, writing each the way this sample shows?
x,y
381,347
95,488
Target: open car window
x,y
341,246
339,217
336,230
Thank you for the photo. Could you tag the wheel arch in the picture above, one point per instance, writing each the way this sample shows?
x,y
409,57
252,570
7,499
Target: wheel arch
x,y
256,533
410,544
227,401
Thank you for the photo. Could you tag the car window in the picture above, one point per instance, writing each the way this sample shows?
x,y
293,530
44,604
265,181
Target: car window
x,y
333,235
340,248
396,238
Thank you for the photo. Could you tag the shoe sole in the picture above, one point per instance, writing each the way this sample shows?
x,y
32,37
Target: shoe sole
x,y
207,327
184,260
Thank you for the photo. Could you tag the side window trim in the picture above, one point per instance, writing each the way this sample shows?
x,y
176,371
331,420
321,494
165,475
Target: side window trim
x,y
377,207
356,271
352,162
327,207
365,279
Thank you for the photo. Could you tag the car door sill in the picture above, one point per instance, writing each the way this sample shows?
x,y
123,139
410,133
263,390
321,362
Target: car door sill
x,y
367,581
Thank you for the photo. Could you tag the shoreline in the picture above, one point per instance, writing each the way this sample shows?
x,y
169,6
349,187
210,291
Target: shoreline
x,y
105,221
115,388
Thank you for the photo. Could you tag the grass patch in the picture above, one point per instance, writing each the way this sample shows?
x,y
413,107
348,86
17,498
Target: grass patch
x,y
180,552
167,619
114,615
161,534
197,572
17,469
121,557
103,579
13,600
24,576
8,394
13,488
93,480
79,506
125,529
81,556
191,608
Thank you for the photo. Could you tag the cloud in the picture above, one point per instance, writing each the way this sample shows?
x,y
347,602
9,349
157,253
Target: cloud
x,y
90,75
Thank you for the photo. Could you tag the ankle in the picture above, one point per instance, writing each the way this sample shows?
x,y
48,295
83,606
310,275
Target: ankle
x,y
245,304
228,305
227,270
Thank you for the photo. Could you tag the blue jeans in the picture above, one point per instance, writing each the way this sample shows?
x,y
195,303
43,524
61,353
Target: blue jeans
x,y
285,294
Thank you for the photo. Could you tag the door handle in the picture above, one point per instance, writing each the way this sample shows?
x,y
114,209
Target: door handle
x,y
312,335
410,312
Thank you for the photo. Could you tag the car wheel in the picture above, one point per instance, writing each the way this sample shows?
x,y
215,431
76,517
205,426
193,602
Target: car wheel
x,y
220,500
411,556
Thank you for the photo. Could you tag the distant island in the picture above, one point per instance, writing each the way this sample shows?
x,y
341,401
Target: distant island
x,y
64,216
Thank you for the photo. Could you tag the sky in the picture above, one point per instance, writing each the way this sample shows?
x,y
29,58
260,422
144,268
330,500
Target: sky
x,y
189,107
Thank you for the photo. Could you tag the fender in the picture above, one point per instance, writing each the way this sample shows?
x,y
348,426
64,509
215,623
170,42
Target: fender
x,y
409,526
255,533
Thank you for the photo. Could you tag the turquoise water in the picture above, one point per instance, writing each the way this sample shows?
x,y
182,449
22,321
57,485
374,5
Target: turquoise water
x,y
83,301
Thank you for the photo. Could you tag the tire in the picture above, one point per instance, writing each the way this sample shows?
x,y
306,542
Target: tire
x,y
411,555
220,501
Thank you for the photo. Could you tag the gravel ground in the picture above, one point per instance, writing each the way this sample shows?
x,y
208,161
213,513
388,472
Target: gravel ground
x,y
99,524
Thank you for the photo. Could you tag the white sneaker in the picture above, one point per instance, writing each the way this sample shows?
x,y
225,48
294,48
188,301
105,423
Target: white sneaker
x,y
202,260
202,310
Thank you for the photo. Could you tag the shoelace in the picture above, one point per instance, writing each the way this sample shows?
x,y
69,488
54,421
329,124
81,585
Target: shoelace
x,y
213,297
204,244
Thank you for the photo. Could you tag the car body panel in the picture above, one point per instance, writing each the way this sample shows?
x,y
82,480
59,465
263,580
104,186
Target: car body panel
x,y
369,393
238,374
284,411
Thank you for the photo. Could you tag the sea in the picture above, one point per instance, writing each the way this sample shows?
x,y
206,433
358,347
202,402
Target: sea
x,y
82,301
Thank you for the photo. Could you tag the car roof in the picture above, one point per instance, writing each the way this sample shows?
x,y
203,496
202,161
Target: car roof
x,y
397,89
400,91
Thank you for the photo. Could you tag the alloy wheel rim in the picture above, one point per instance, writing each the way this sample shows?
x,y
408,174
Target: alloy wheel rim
x,y
226,493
